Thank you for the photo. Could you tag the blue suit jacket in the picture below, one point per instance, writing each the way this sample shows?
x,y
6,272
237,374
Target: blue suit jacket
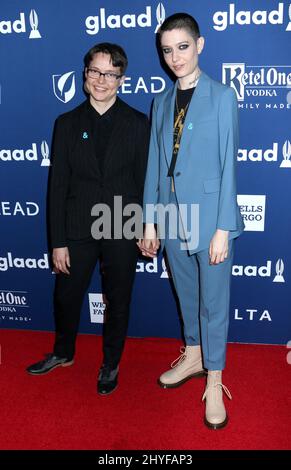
x,y
205,172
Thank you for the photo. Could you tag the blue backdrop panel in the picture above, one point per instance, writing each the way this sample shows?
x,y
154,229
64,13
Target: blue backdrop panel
x,y
42,45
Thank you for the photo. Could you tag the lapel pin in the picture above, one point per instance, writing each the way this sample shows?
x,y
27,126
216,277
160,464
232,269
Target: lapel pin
x,y
85,135
190,126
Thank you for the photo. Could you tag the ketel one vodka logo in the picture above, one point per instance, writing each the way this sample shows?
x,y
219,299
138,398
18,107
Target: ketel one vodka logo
x,y
130,20
19,25
64,86
256,81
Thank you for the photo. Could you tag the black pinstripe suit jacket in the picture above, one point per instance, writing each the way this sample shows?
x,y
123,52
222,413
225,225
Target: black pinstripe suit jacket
x,y
76,183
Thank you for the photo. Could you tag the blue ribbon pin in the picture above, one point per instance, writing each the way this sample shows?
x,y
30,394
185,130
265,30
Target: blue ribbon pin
x,y
85,135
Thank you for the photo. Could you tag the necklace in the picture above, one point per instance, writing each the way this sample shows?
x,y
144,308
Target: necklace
x,y
178,125
180,113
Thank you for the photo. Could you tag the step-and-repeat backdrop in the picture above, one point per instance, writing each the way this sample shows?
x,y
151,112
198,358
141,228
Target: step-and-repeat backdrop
x,y
42,45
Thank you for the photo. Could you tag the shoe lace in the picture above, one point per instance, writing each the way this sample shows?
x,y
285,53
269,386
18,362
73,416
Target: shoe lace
x,y
223,387
179,359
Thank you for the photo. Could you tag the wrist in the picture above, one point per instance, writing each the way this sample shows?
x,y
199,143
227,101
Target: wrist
x,y
222,232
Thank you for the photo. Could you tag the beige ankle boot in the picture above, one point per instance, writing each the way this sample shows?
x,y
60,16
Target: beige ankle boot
x,y
186,366
215,414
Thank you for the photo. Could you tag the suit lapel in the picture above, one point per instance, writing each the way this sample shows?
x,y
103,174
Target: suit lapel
x,y
195,110
168,125
196,105
86,137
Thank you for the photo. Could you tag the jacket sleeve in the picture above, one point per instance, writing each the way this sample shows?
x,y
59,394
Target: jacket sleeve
x,y
59,185
142,150
229,135
151,188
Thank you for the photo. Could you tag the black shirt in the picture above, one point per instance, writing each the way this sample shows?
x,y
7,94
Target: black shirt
x,y
101,128
182,101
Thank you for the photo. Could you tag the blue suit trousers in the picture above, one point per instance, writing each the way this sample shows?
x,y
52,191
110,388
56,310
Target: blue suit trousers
x,y
204,292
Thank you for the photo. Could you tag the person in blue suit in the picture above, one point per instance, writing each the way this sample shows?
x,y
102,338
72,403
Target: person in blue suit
x,y
192,170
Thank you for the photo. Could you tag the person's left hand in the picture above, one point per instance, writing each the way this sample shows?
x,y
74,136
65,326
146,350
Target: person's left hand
x,y
218,248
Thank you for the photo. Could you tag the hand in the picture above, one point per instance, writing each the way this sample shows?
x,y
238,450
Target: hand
x,y
218,249
150,244
61,260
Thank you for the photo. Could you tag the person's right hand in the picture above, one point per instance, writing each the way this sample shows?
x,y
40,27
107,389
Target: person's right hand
x,y
149,245
61,260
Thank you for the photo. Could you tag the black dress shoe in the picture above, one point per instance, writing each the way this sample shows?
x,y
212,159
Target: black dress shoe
x,y
48,364
107,380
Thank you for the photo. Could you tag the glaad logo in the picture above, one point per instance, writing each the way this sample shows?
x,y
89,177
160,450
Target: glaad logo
x,y
260,271
165,274
161,16
31,154
223,19
267,155
33,19
45,152
29,209
286,163
156,85
19,25
257,81
97,304
253,208
29,263
143,20
289,23
151,267
62,82
279,271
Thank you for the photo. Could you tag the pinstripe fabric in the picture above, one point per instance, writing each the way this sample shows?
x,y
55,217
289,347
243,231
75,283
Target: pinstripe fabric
x,y
76,183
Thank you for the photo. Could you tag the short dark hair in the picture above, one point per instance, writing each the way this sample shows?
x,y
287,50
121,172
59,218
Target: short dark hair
x,y
181,21
117,54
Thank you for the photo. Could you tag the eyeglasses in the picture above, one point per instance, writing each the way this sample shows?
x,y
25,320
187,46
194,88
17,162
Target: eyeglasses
x,y
108,76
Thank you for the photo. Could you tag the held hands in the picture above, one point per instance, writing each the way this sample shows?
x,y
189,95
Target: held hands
x,y
218,248
61,260
149,245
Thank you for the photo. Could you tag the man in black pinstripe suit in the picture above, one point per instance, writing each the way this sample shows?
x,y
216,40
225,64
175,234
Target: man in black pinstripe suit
x,y
99,152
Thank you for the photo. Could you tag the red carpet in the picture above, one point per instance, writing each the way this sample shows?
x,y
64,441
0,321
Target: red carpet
x,y
61,410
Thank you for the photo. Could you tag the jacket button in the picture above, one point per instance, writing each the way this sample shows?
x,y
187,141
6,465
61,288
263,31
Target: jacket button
x,y
178,173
